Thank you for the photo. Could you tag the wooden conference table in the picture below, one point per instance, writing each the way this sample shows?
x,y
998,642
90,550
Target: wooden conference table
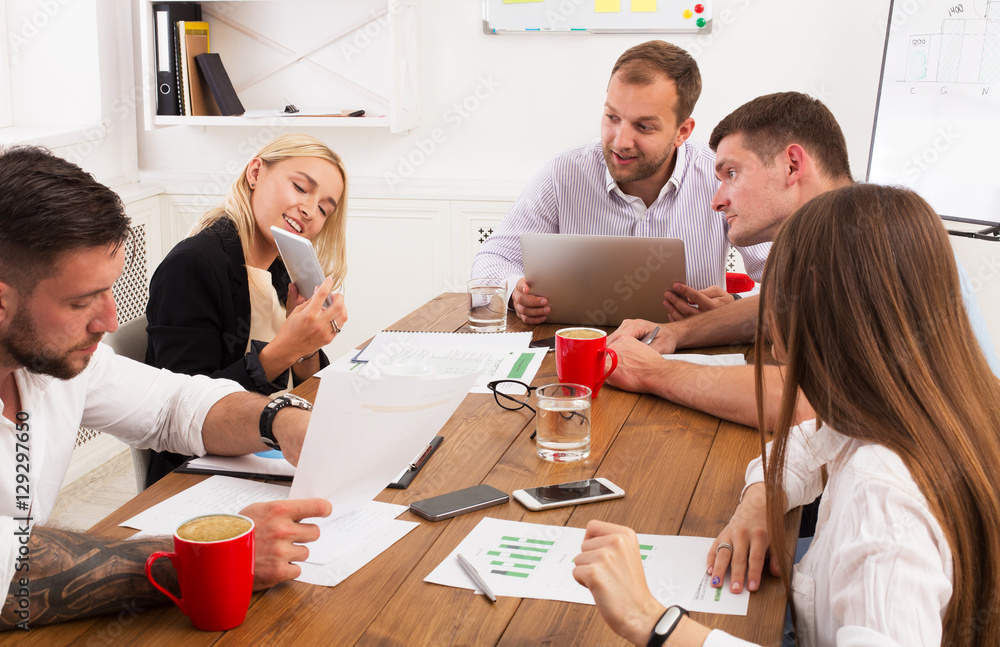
x,y
682,472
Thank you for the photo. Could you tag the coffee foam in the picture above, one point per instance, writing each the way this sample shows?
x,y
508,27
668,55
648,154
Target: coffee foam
x,y
216,527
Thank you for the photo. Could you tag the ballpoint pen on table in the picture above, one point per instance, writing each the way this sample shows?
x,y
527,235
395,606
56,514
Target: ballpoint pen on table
x,y
476,577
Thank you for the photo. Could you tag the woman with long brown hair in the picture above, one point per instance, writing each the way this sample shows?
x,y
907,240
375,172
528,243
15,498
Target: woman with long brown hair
x,y
860,305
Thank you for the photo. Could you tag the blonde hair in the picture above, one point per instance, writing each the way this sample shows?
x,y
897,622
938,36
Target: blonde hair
x,y
330,242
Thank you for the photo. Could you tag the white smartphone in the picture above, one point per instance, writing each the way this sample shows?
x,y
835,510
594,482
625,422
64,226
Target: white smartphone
x,y
574,493
301,261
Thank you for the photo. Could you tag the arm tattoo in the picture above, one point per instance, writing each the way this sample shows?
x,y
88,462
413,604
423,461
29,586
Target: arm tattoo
x,y
73,576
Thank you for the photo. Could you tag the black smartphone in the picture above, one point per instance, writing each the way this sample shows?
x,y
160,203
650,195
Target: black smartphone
x,y
547,343
459,502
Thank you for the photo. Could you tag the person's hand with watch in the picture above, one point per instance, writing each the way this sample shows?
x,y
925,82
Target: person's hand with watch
x,y
609,565
286,432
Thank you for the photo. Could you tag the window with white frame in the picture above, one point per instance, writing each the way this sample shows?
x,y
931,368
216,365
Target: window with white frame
x,y
4,70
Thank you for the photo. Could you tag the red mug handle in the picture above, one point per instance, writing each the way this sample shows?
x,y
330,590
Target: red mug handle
x,y
614,363
149,575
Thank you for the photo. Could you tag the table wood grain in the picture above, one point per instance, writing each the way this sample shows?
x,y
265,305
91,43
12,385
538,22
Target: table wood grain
x,y
682,471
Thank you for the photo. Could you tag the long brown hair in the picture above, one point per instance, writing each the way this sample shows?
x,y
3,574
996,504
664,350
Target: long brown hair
x,y
861,293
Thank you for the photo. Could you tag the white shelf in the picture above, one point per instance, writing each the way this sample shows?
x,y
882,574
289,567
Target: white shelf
x,y
303,122
261,58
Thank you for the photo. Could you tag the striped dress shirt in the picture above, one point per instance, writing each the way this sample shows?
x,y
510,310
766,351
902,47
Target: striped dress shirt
x,y
575,194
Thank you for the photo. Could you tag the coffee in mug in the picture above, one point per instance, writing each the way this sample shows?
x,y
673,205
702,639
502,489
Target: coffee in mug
x,y
582,333
213,557
214,527
580,357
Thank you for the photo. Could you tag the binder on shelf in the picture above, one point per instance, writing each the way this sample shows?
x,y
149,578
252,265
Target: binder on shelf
x,y
221,88
165,16
192,39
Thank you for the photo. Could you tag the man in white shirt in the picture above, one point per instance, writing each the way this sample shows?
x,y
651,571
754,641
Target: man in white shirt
x,y
773,154
62,240
643,178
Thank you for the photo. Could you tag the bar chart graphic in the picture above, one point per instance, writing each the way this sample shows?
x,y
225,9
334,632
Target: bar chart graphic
x,y
518,556
965,50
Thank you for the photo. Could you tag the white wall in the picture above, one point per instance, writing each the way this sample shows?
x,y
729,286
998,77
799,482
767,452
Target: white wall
x,y
71,82
542,93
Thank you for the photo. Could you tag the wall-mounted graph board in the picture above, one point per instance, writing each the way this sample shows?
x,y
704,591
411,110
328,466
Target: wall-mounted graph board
x,y
597,16
937,124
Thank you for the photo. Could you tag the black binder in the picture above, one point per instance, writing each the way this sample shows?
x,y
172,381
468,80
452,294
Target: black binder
x,y
165,17
218,81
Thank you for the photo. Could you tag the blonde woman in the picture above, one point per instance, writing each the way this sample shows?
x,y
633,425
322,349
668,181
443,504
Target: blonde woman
x,y
221,303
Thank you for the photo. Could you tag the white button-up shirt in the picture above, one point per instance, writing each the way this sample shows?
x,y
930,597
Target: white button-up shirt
x,y
142,406
879,570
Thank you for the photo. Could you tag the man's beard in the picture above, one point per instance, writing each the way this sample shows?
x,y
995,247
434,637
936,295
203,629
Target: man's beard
x,y
641,169
25,346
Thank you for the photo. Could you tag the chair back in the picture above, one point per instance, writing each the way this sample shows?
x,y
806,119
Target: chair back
x,y
130,341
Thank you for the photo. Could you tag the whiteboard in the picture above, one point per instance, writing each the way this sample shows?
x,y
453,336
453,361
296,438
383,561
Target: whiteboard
x,y
597,16
937,122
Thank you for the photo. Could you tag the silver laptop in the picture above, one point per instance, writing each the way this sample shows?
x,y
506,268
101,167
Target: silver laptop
x,y
602,280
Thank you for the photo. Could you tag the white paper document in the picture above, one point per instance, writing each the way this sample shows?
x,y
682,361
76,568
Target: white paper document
x,y
344,546
214,495
493,356
728,359
529,560
350,542
389,343
361,432
267,463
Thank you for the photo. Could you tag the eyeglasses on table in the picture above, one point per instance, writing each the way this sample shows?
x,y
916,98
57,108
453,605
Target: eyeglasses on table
x,y
513,395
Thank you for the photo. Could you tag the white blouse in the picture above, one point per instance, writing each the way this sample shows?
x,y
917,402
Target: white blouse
x,y
879,570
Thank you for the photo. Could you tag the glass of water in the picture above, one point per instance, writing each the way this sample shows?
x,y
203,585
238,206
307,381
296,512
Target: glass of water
x,y
563,422
488,305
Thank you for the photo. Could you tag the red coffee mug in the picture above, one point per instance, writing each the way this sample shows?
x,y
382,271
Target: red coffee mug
x,y
215,577
580,354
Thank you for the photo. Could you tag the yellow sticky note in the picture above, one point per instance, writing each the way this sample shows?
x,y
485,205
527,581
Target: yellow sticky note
x,y
643,5
608,6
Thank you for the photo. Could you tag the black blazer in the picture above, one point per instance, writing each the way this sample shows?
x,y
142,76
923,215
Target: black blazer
x,y
199,310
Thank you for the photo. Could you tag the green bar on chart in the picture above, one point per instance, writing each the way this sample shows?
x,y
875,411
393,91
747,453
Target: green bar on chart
x,y
508,554
520,366
543,542
519,547
510,573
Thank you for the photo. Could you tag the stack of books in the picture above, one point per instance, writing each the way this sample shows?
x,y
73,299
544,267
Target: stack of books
x,y
191,80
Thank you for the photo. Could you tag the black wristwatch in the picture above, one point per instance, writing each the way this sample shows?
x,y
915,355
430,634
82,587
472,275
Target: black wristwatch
x,y
271,410
666,625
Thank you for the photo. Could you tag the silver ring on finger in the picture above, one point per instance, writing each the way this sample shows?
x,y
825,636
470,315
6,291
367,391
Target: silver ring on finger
x,y
724,545
333,324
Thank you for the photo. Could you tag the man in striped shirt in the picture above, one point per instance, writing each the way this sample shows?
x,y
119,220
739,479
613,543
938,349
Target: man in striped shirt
x,y
643,178
774,154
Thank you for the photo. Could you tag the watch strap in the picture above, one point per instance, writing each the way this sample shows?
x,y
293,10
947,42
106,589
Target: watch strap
x,y
271,410
659,635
